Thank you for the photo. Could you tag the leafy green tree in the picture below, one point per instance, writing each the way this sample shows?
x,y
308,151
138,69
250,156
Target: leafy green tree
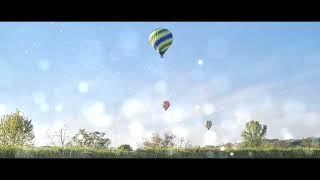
x,y
15,129
254,134
125,147
90,139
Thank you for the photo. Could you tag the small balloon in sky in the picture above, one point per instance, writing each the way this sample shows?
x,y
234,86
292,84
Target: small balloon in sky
x,y
166,105
208,124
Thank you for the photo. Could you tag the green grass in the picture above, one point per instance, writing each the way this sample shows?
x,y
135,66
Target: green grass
x,y
54,152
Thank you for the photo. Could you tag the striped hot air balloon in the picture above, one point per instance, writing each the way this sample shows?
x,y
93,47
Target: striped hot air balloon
x,y
161,40
208,124
166,105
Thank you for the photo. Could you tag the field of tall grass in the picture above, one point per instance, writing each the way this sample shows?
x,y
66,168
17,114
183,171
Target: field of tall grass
x,y
55,152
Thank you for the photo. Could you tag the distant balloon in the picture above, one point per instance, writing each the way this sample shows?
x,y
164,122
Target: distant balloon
x,y
208,124
161,40
166,105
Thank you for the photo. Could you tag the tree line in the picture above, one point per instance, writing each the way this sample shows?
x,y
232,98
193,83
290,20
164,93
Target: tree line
x,y
17,130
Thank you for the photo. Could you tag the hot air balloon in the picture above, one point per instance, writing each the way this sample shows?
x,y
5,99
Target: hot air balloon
x,y
208,124
166,105
161,39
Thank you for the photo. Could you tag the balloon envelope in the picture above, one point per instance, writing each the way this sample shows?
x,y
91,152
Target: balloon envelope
x,y
161,39
208,124
166,105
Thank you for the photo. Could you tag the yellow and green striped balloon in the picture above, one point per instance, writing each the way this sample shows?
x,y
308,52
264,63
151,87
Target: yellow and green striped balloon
x,y
161,40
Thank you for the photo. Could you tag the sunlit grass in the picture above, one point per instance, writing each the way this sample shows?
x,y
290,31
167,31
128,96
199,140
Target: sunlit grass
x,y
195,152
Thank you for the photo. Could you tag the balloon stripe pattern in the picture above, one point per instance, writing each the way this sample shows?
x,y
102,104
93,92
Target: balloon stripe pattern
x,y
208,124
166,105
161,40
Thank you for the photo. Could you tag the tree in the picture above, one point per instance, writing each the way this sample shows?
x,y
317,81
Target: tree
x,y
125,147
254,133
15,129
168,140
90,139
60,137
156,141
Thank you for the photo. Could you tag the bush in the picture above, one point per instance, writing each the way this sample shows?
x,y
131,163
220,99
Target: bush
x,y
125,147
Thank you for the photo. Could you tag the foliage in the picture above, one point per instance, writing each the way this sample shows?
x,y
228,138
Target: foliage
x,y
172,152
90,139
15,129
125,147
253,134
158,141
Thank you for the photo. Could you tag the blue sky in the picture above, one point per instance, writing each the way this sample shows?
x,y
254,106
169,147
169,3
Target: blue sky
x,y
106,76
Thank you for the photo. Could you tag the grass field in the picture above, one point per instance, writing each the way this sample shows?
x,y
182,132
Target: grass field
x,y
53,152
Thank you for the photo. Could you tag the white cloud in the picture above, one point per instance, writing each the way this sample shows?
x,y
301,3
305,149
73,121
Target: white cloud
x,y
286,134
41,134
142,114
136,129
210,138
200,62
209,109
180,132
96,115
57,124
197,107
242,114
3,108
133,107
294,106
83,87
174,115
